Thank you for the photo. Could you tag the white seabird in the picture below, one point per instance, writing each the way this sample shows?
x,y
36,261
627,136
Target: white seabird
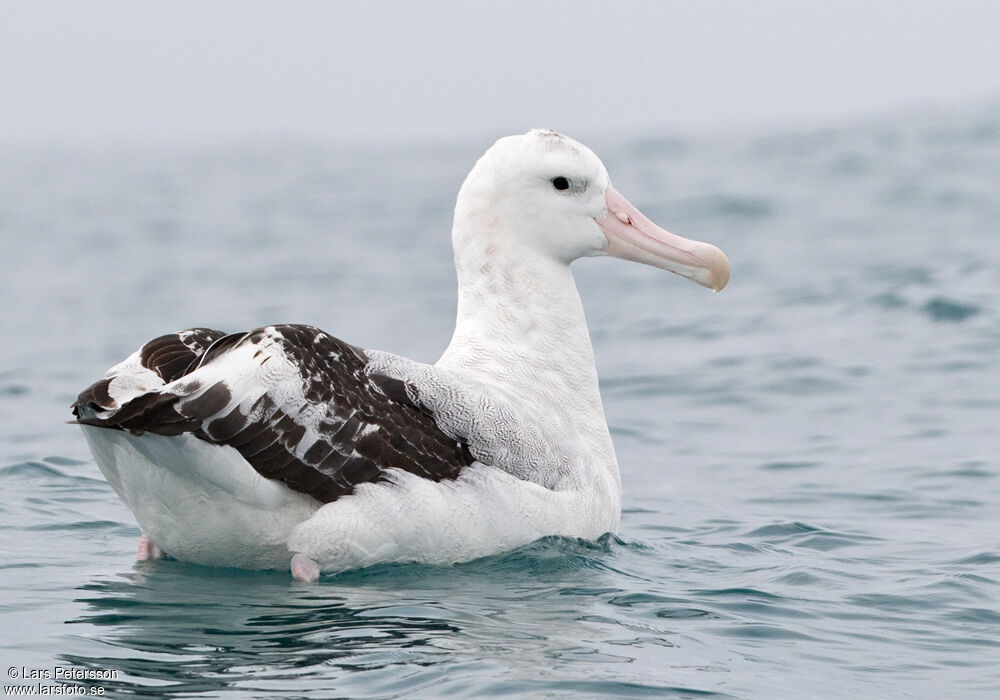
x,y
286,447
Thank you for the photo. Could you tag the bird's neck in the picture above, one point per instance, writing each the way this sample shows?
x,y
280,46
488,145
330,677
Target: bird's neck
x,y
521,328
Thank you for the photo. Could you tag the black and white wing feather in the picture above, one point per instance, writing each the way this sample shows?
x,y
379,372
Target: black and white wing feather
x,y
158,362
297,403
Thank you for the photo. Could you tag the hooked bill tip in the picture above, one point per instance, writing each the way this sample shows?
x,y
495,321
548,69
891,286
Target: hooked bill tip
x,y
718,263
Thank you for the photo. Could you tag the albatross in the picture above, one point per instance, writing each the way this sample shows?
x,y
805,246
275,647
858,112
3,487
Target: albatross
x,y
284,447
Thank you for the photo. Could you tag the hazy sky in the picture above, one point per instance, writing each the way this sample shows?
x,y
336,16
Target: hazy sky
x,y
364,70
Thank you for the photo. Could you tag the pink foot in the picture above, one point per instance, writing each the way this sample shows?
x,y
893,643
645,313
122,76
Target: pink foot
x,y
304,569
148,550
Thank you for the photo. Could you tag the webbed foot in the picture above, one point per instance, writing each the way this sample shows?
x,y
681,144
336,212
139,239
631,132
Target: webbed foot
x,y
148,550
304,569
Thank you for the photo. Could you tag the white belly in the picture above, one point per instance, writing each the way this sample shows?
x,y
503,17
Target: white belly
x,y
484,511
205,504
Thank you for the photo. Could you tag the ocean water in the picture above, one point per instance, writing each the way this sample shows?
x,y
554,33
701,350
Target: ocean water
x,y
809,459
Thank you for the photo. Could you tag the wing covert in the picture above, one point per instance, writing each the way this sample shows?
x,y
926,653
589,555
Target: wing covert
x,y
298,405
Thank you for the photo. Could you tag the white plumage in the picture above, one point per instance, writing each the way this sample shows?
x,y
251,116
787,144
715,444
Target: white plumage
x,y
285,446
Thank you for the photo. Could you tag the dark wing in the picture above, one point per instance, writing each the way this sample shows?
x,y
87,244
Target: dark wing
x,y
299,406
158,362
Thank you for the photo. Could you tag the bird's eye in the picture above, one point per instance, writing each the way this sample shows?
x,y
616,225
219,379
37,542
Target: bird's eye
x,y
560,183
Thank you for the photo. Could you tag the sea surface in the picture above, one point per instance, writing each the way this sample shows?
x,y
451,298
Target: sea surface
x,y
810,459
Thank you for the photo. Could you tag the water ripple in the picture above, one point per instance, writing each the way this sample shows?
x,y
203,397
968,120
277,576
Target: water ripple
x,y
944,309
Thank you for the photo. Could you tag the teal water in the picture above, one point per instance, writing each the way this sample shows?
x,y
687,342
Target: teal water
x,y
809,459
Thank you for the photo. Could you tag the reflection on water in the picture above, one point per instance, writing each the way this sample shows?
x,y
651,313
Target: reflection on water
x,y
178,628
